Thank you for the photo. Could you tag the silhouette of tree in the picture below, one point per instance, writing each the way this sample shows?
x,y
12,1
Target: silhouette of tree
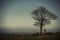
x,y
42,17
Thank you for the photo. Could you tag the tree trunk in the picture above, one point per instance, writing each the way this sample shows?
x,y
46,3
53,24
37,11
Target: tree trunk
x,y
41,25
41,29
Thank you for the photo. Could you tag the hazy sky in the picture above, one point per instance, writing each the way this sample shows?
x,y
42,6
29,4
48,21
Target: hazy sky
x,y
16,15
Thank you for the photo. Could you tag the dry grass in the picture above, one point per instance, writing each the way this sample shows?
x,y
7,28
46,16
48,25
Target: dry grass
x,y
48,36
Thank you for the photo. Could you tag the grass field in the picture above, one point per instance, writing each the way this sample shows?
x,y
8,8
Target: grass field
x,y
47,36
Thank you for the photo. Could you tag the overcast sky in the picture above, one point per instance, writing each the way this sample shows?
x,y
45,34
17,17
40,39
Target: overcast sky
x,y
16,15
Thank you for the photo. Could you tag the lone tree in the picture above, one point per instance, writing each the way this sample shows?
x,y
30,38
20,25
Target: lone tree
x,y
42,17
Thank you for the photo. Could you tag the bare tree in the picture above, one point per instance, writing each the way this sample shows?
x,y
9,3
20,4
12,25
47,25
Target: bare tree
x,y
42,17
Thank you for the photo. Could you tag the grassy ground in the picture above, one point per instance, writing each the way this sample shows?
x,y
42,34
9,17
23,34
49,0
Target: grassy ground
x,y
47,36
